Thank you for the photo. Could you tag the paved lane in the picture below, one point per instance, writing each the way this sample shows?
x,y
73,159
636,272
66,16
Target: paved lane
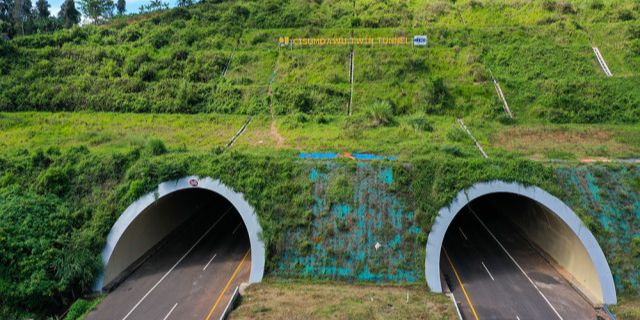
x,y
187,276
498,275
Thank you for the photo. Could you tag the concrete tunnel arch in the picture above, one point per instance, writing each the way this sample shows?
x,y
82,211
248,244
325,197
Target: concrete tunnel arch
x,y
246,211
552,204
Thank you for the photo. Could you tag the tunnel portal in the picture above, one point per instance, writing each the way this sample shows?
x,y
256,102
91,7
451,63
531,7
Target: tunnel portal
x,y
174,206
517,222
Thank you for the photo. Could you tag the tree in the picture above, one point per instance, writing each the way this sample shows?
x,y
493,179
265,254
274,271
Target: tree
x,y
69,14
6,9
97,9
184,3
154,5
22,16
42,7
121,6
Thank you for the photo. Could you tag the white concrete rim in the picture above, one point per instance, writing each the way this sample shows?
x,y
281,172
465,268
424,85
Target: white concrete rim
x,y
246,211
553,204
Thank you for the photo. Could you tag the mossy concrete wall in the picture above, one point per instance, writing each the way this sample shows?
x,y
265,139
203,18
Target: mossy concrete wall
x,y
360,229
339,242
608,199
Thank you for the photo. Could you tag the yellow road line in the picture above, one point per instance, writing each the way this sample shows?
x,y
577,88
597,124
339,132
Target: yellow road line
x,y
462,285
228,284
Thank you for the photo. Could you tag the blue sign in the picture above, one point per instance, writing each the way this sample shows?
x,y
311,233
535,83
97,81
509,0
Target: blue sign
x,y
419,40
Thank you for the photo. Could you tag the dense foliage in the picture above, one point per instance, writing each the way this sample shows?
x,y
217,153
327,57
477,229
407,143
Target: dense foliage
x,y
223,57
57,206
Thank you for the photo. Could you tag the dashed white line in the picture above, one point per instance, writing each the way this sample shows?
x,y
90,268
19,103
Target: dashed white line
x,y
517,318
236,229
174,266
464,235
485,268
517,265
168,314
205,267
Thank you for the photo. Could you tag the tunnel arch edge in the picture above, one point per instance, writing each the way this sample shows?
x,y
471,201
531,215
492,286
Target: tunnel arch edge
x,y
249,217
446,215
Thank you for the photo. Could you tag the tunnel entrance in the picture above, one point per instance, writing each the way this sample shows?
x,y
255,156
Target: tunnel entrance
x,y
501,241
190,216
202,191
186,243
516,259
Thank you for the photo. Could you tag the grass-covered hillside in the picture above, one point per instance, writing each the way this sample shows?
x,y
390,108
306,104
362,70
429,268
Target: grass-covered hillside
x,y
93,117
173,61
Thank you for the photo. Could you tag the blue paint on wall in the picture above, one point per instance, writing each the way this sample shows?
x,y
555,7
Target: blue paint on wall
x,y
333,155
609,197
340,242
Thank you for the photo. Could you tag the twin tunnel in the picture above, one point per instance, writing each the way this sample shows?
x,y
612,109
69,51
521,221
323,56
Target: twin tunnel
x,y
154,218
547,224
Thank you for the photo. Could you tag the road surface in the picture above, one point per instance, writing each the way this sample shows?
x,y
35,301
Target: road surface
x,y
494,273
192,276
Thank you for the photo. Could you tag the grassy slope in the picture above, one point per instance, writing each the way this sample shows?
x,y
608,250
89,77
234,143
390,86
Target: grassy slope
x,y
171,62
628,308
106,133
329,300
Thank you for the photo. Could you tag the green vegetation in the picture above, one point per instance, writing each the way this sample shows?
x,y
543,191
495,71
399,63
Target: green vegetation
x,y
628,308
222,56
93,117
332,300
58,205
82,307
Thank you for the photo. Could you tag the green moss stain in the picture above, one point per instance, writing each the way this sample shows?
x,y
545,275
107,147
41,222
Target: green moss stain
x,y
345,232
615,206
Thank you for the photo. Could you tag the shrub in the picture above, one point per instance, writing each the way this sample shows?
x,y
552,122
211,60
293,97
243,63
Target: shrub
x,y
420,122
380,114
549,5
565,7
596,5
626,15
147,73
156,147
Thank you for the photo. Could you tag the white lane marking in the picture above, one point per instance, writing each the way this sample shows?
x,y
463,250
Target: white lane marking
x,y
205,267
464,235
174,266
485,268
236,229
167,316
518,318
517,265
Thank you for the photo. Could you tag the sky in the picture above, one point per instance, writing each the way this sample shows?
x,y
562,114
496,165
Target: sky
x,y
132,5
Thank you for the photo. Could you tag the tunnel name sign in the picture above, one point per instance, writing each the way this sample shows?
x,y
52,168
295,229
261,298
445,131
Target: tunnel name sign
x,y
420,41
286,41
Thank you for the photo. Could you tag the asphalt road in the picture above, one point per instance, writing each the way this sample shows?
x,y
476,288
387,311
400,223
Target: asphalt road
x,y
494,273
192,276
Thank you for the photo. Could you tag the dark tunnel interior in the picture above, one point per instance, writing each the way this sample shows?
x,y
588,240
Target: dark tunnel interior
x,y
186,217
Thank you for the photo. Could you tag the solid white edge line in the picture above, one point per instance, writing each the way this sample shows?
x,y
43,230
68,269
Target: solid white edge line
x,y
464,235
517,265
485,268
175,265
455,304
168,314
205,267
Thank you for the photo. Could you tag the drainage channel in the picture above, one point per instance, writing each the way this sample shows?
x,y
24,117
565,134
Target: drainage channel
x,y
603,64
